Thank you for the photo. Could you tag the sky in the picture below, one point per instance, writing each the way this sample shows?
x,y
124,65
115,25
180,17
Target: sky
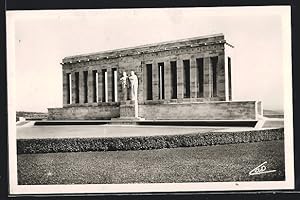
x,y
39,40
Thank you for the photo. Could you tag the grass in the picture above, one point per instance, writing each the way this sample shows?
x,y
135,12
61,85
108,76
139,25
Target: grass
x,y
230,162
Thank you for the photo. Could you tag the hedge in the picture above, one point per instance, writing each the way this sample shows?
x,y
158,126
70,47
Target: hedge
x,y
54,145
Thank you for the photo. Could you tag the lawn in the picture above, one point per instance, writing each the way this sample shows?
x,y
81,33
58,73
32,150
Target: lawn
x,y
231,162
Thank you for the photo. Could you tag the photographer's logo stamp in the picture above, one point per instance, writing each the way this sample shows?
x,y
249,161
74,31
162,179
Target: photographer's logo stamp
x,y
261,169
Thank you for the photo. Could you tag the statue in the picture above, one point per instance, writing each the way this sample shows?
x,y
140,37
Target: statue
x,y
129,109
133,85
123,80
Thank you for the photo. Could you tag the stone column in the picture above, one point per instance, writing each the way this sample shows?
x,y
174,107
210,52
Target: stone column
x,y
105,82
160,81
144,82
229,80
81,87
207,79
65,88
155,81
116,78
97,85
193,77
139,73
73,88
167,80
179,79
221,77
109,85
119,86
70,88
100,86
90,86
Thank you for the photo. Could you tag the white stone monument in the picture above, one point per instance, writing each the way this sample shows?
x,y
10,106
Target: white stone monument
x,y
129,109
133,86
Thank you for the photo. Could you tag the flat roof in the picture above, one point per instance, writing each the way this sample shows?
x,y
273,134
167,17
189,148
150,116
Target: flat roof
x,y
147,48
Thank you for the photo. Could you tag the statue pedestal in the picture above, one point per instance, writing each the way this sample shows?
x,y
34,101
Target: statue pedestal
x,y
129,111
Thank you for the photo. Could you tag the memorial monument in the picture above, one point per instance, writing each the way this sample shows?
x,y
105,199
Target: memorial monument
x,y
129,111
187,79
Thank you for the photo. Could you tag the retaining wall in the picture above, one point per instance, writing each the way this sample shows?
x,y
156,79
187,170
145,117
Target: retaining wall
x,y
233,110
84,112
222,110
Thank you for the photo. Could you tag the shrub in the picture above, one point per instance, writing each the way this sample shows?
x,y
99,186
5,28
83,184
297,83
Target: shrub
x,y
53,145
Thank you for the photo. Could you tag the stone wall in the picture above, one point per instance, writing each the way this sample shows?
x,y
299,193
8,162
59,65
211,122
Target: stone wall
x,y
159,110
234,110
84,112
31,115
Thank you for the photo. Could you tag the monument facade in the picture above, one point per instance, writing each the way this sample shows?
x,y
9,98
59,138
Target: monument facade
x,y
187,79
